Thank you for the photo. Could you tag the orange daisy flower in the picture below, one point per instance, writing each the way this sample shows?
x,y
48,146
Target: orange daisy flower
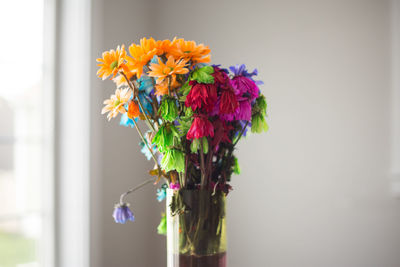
x,y
140,55
165,46
170,68
189,50
162,88
111,62
133,110
115,104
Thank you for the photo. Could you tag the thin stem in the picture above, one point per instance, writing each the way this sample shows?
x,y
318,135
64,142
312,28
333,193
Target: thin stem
x,y
203,174
121,199
133,88
169,85
241,133
145,142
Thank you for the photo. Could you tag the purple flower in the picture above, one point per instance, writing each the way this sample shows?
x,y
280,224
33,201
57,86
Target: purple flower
x,y
122,213
240,70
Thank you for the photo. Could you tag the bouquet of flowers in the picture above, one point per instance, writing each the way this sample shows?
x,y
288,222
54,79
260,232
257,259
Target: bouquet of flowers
x,y
195,113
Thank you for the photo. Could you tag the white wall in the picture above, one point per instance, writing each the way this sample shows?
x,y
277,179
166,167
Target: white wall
x,y
314,190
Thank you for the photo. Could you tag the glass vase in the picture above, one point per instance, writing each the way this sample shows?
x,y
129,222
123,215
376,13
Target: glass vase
x,y
196,233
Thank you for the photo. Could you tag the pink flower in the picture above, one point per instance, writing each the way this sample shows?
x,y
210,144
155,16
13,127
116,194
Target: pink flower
x,y
201,96
244,110
174,186
244,85
201,127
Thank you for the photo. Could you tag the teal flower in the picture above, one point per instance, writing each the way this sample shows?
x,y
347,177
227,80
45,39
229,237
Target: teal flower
x,y
145,150
126,121
165,136
169,108
162,192
173,159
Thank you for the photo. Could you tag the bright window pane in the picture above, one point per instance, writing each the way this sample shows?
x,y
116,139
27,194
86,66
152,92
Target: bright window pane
x,y
22,147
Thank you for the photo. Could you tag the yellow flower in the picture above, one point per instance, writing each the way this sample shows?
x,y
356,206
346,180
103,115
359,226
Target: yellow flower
x,y
111,62
140,55
170,68
189,50
115,104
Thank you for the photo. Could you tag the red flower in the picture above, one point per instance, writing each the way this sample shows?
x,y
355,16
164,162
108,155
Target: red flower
x,y
228,102
201,127
201,96
221,79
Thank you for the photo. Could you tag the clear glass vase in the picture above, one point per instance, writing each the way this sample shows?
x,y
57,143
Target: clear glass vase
x,y
196,234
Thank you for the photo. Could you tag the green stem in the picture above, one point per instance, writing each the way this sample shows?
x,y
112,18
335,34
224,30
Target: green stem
x,y
203,171
241,133
146,143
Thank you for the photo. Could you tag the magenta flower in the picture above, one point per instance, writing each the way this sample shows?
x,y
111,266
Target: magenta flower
x,y
175,186
244,110
245,86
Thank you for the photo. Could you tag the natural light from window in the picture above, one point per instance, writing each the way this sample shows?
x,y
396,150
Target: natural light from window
x,y
23,144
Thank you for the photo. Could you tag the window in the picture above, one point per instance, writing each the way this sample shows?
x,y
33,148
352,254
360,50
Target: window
x,y
26,146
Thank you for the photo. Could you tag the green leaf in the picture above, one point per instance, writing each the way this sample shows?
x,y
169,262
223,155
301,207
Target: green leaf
x,y
185,89
203,75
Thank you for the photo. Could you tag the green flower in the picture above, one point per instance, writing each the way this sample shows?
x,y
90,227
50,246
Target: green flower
x,y
162,227
173,159
259,111
166,137
258,123
195,145
185,122
169,109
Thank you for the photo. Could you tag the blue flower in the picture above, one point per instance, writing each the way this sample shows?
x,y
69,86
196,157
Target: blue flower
x,y
162,192
146,87
126,121
240,70
122,213
145,150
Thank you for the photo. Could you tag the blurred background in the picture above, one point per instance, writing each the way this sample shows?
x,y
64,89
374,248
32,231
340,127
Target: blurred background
x,y
321,188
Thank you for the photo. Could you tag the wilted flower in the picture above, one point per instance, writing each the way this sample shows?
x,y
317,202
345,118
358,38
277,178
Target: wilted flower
x,y
201,127
164,137
162,227
122,213
201,96
173,160
169,108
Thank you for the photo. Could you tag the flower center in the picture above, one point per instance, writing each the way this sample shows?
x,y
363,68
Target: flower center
x,y
117,102
114,64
